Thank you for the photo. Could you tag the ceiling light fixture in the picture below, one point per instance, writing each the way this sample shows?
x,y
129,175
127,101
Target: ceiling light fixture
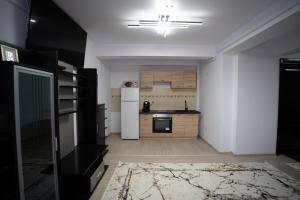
x,y
164,22
32,20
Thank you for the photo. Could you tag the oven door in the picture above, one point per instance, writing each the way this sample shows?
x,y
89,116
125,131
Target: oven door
x,y
162,123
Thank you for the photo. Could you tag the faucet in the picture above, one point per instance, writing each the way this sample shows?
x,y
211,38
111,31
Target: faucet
x,y
185,105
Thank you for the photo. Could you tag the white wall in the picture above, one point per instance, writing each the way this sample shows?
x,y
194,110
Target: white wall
x,y
257,104
210,104
156,50
239,103
91,61
104,93
216,101
227,101
13,21
116,80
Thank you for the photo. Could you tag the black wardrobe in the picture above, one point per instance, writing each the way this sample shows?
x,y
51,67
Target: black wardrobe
x,y
30,157
31,166
288,138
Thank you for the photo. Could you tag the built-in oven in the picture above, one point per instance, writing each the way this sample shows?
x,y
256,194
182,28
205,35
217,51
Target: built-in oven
x,y
162,123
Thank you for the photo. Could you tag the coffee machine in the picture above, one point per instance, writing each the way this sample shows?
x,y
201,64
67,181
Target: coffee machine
x,y
146,106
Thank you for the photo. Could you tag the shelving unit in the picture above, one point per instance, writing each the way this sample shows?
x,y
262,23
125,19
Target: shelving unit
x,y
68,86
68,90
75,93
59,67
72,99
67,73
68,99
66,112
82,170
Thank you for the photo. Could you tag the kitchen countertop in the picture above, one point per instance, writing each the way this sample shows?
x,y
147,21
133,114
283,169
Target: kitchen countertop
x,y
170,112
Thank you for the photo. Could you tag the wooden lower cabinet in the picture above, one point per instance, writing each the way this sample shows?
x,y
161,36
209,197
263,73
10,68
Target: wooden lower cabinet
x,y
178,131
191,127
178,125
145,125
183,126
191,131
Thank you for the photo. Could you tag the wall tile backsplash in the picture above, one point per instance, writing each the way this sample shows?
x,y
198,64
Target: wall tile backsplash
x,y
160,98
168,99
115,99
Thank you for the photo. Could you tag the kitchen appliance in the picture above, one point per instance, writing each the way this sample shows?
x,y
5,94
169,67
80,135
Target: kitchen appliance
x,y
130,84
146,106
130,113
162,123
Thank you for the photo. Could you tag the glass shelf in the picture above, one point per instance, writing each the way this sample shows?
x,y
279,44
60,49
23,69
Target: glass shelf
x,y
66,112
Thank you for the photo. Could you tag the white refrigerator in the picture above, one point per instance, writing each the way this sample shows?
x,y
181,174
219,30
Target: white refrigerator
x,y
130,113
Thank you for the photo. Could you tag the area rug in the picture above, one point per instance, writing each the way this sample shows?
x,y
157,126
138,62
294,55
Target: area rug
x,y
191,181
296,165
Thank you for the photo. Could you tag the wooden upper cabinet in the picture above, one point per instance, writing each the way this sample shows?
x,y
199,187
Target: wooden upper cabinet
x,y
146,79
162,76
190,79
177,79
184,79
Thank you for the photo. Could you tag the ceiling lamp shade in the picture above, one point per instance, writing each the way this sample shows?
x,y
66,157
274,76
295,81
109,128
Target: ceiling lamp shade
x,y
164,23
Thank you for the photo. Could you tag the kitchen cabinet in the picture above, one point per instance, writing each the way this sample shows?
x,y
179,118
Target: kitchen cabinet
x,y
183,126
145,125
177,81
190,79
178,126
162,76
191,124
191,131
146,79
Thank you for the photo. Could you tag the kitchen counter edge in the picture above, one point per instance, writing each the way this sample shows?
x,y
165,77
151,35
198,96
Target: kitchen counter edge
x,y
170,112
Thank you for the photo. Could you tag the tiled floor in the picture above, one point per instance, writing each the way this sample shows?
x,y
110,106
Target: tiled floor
x,y
175,150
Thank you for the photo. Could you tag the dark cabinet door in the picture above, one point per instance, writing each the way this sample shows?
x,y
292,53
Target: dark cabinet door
x,y
101,124
35,134
289,110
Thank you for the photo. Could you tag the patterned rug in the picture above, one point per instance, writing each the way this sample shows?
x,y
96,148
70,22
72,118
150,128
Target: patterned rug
x,y
296,166
187,181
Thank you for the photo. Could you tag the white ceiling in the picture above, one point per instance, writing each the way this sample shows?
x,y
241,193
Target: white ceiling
x,y
106,20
